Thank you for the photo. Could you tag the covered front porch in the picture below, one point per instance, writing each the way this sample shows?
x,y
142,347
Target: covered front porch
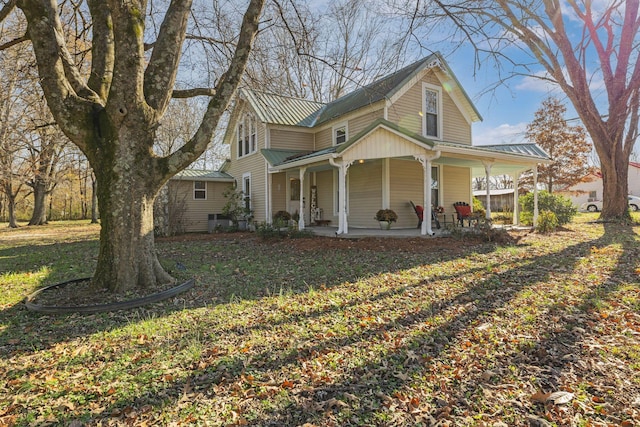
x,y
385,167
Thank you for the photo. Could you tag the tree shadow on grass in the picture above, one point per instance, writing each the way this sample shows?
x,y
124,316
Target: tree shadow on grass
x,y
28,332
418,343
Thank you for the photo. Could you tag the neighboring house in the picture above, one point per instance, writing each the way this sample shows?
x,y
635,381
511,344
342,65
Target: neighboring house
x,y
589,189
405,137
502,200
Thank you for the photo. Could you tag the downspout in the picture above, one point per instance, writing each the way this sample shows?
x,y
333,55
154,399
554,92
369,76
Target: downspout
x,y
426,167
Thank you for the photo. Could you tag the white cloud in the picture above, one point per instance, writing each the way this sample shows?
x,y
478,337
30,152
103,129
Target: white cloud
x,y
503,134
538,82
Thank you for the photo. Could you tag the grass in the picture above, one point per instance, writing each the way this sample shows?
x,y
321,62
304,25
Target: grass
x,y
322,332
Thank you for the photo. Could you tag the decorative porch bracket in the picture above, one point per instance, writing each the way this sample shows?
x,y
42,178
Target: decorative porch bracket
x,y
343,167
487,174
425,161
303,170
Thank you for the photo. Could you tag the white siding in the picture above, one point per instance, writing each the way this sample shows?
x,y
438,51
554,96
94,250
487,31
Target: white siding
x,y
326,195
365,193
194,214
406,113
456,186
406,178
291,140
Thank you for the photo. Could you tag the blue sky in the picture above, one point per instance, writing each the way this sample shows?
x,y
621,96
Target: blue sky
x,y
507,109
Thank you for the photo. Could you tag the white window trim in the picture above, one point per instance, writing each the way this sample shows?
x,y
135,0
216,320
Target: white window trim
x,y
244,189
438,89
200,189
249,122
337,126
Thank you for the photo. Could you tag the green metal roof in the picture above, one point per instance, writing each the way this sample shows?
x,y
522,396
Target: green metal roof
x,y
203,175
282,110
526,149
277,157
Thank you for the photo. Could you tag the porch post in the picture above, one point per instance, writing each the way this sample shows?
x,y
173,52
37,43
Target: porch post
x,y
343,227
535,195
487,174
426,214
516,204
301,210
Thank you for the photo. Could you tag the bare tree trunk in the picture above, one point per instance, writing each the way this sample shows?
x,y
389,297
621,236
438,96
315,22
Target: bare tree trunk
x,y
127,257
615,173
40,193
11,202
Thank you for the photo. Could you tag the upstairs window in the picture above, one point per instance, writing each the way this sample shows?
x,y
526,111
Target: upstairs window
x,y
340,134
247,135
432,119
199,190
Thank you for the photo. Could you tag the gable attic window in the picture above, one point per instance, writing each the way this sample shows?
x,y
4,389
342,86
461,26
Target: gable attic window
x,y
247,135
199,190
432,117
340,134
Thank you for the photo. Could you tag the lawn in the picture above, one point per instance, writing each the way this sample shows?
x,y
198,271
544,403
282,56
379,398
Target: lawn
x,y
334,332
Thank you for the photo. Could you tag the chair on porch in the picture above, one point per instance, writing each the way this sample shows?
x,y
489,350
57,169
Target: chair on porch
x,y
463,212
419,210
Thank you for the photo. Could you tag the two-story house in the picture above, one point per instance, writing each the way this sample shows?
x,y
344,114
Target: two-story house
x,y
405,137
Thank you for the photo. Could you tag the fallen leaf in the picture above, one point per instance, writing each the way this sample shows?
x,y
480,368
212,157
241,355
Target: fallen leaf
x,y
560,397
540,397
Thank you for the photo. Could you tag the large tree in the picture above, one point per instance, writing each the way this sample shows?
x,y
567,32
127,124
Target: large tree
x,y
588,48
566,145
112,114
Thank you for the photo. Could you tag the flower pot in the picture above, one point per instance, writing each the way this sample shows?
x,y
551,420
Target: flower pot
x,y
385,225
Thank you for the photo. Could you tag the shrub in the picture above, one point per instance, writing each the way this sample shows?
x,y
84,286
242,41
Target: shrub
x,y
265,230
547,222
561,206
281,217
478,207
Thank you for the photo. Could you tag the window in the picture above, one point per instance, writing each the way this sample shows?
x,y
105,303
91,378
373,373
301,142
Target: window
x,y
247,135
199,190
435,186
340,134
593,196
432,120
252,134
246,190
241,139
295,189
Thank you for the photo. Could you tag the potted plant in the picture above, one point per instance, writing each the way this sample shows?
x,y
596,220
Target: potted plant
x,y
385,217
